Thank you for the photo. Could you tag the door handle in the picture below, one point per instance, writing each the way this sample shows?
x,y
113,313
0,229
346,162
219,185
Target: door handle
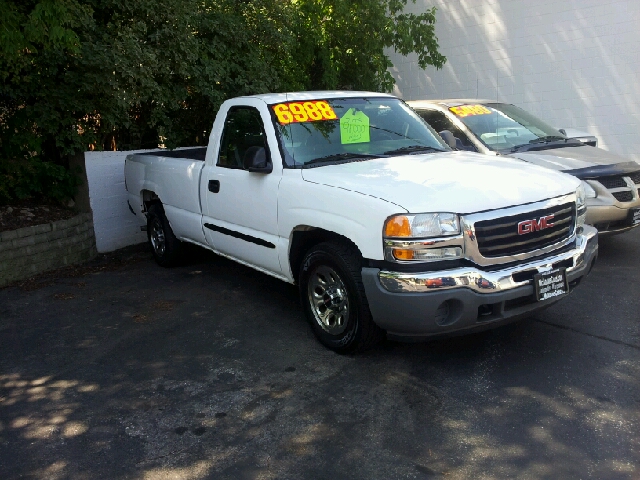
x,y
214,186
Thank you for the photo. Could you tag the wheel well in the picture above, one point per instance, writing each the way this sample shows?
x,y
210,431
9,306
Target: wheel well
x,y
304,238
149,197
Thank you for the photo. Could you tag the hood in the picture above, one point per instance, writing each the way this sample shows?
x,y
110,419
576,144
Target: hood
x,y
570,158
459,182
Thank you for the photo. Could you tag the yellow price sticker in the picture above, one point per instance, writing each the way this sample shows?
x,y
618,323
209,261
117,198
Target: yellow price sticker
x,y
296,112
468,110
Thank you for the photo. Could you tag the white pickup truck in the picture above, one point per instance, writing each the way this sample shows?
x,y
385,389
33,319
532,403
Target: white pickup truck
x,y
354,197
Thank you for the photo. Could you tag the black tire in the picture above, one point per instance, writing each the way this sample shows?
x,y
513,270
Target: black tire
x,y
165,246
337,306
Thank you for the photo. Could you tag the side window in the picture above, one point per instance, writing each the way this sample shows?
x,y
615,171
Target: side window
x,y
242,129
439,122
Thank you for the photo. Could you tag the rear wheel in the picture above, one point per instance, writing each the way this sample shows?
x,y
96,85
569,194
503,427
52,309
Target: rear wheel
x,y
334,300
164,244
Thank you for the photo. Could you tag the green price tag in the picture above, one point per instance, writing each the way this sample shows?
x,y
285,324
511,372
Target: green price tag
x,y
354,127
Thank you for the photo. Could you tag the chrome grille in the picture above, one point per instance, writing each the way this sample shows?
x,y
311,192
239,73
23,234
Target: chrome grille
x,y
499,237
635,178
625,196
612,182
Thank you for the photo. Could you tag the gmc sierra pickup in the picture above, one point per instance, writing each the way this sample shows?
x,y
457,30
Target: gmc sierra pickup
x,y
385,229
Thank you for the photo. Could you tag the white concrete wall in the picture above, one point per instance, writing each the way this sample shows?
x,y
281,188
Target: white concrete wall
x,y
114,225
574,63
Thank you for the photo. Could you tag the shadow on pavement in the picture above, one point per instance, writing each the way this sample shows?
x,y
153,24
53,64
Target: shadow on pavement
x,y
208,370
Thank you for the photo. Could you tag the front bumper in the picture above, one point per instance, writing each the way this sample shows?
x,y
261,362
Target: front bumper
x,y
609,215
466,299
610,219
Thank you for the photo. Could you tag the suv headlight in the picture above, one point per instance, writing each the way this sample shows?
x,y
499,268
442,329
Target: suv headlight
x,y
588,190
423,237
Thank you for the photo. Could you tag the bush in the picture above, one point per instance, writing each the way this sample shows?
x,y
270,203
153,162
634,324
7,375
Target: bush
x,y
32,177
127,74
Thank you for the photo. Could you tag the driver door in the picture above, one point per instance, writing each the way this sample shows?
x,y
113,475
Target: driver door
x,y
240,207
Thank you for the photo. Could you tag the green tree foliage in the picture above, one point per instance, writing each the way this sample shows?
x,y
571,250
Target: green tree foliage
x,y
341,42
81,74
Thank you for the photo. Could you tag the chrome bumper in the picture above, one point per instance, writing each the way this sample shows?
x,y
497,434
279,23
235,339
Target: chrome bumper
x,y
500,280
419,305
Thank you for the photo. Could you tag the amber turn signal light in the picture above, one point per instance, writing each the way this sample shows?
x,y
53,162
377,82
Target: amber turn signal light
x,y
397,226
403,254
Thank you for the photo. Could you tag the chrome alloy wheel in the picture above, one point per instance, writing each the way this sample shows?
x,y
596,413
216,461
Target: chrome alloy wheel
x,y
157,236
328,300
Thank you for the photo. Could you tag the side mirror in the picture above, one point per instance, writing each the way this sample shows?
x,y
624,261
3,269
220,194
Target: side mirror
x,y
584,137
449,139
256,160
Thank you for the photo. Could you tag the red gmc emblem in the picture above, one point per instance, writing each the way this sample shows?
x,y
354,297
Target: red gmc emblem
x,y
528,226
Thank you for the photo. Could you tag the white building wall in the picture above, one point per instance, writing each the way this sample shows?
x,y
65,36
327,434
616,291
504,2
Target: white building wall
x,y
574,63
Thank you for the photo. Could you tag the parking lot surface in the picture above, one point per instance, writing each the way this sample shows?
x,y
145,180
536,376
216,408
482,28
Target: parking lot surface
x,y
209,370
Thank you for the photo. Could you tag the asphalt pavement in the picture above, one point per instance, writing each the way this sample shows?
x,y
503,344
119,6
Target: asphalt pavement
x,y
127,370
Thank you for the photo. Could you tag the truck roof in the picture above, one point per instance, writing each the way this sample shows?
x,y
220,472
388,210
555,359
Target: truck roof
x,y
314,95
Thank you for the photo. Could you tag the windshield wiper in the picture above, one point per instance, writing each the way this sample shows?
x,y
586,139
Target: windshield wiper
x,y
414,149
547,139
546,143
341,156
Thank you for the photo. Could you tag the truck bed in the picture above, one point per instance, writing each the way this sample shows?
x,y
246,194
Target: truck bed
x,y
174,177
195,153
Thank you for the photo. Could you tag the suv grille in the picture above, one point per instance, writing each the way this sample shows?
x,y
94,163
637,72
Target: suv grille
x,y
617,182
612,182
623,196
499,237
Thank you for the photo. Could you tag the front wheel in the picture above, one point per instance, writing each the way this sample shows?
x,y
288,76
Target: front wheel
x,y
334,300
164,244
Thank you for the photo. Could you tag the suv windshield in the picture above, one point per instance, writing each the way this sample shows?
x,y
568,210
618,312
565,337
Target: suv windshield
x,y
337,130
501,126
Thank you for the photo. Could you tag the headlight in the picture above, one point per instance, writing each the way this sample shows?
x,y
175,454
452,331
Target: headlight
x,y
581,205
581,196
588,190
424,237
424,225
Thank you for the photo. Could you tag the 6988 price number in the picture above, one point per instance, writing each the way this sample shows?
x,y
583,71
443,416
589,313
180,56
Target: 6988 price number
x,y
467,110
303,112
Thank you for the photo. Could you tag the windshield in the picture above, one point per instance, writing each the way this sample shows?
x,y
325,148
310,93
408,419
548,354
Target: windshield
x,y
501,126
320,132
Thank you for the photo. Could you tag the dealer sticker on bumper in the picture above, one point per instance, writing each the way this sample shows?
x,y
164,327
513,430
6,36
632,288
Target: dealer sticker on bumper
x,y
551,284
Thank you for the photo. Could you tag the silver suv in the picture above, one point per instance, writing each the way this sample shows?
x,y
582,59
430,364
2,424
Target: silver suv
x,y
612,183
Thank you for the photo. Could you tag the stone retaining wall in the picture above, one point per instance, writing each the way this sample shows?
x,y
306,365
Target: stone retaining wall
x,y
31,250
